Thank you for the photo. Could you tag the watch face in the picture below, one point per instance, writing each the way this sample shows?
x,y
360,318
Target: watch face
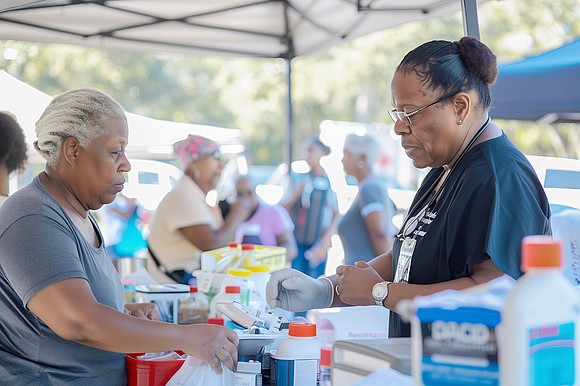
x,y
379,291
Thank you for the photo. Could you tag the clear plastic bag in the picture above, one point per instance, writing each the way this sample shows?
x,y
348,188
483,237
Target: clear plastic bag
x,y
194,372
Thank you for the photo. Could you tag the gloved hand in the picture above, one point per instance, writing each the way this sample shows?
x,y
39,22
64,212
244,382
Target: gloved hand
x,y
293,290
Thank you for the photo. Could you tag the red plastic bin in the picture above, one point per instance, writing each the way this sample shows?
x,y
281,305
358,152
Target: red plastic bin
x,y
150,373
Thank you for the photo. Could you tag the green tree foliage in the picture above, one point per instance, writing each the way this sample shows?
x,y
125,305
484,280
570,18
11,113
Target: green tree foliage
x,y
349,82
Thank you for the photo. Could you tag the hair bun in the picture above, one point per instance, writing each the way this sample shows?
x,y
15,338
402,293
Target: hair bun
x,y
478,58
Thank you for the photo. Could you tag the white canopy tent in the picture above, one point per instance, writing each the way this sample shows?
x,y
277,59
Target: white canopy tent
x,y
266,28
258,28
148,137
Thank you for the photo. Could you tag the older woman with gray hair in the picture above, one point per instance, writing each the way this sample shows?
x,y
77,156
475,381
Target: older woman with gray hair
x,y
63,320
366,229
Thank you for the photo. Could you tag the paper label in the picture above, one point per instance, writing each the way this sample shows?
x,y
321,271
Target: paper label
x,y
459,347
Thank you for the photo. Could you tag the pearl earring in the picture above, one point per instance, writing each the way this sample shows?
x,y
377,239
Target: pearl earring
x,y
459,122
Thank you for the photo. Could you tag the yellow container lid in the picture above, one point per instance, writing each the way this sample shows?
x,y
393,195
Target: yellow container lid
x,y
240,272
258,268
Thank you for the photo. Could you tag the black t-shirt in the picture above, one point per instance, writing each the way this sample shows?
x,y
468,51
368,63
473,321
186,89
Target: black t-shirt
x,y
492,200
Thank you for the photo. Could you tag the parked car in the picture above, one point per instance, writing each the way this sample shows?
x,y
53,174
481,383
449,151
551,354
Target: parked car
x,y
561,180
149,181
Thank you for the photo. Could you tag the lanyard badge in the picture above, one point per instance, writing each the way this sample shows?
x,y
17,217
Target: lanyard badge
x,y
405,258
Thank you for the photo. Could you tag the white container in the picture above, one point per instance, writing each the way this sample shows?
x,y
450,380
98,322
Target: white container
x,y
230,294
539,332
166,296
296,361
258,282
248,374
239,277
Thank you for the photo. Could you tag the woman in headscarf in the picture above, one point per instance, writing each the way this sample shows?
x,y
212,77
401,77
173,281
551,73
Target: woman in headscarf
x,y
184,224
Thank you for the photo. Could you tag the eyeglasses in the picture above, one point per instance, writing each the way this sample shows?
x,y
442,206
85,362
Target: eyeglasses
x,y
405,117
244,193
216,155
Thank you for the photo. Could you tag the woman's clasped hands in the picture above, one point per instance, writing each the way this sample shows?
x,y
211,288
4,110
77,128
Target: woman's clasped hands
x,y
354,283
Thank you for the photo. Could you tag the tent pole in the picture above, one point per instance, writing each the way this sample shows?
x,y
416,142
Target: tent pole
x,y
290,112
470,22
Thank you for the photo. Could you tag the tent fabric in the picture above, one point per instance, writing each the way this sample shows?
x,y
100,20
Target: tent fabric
x,y
543,87
148,137
250,28
266,28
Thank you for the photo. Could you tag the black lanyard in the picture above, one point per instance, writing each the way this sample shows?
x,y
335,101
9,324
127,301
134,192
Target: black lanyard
x,y
435,195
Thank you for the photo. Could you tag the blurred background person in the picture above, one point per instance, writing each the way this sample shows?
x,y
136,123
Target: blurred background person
x,y
12,151
267,224
122,222
184,224
366,230
313,208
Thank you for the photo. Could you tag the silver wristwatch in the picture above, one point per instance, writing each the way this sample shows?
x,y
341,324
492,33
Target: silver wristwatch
x,y
380,292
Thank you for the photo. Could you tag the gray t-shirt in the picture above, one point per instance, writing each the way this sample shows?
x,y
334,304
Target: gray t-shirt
x,y
352,229
40,246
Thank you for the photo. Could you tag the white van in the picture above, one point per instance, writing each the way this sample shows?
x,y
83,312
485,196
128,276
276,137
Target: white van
x,y
149,181
560,178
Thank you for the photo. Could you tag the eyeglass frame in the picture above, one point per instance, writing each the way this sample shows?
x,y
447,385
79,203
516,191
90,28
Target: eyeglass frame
x,y
217,155
394,114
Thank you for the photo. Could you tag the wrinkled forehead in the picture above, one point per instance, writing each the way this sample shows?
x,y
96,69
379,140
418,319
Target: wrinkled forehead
x,y
408,86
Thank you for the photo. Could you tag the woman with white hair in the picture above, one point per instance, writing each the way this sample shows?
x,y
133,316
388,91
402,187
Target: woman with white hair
x,y
366,229
63,320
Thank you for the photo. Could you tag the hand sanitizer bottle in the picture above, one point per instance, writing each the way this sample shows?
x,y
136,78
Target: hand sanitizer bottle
x,y
539,331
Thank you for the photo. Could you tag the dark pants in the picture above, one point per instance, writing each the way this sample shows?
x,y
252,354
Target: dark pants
x,y
301,264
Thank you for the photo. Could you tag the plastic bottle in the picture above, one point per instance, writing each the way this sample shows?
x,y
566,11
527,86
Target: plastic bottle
x,y
230,293
539,332
325,366
248,256
229,259
239,277
193,308
296,361
260,274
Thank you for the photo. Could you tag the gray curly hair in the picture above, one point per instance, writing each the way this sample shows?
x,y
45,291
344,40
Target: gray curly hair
x,y
75,113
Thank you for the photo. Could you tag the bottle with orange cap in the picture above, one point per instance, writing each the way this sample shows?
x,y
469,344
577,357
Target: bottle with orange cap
x,y
296,360
325,366
539,334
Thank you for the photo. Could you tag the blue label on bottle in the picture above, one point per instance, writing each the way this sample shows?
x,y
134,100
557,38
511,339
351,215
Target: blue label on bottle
x,y
299,372
552,355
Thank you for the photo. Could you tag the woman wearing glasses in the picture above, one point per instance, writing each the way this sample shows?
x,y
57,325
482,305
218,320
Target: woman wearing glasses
x,y
467,220
184,224
267,224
